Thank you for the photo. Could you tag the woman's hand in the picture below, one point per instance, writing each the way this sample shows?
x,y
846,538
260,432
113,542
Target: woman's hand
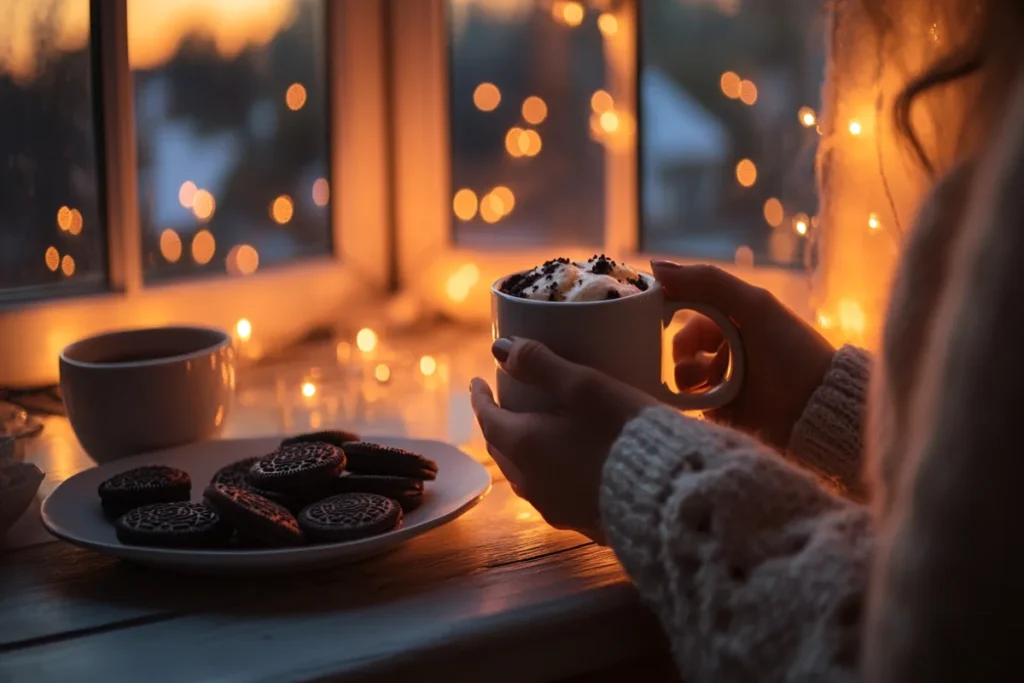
x,y
786,358
554,460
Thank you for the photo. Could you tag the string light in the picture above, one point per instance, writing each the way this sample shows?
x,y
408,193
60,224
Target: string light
x,y
428,366
295,96
308,389
535,110
807,117
607,24
52,258
748,92
773,212
610,121
243,328
601,102
382,373
170,245
67,265
873,222
187,193
282,209
321,192
732,85
203,247
465,204
486,97
366,340
855,128
801,223
64,218
203,205
746,173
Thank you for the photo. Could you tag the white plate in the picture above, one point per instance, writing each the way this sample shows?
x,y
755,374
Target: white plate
x,y
72,512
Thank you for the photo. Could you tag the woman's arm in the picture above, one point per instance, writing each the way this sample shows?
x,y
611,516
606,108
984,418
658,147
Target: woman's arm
x,y
756,572
950,593
828,437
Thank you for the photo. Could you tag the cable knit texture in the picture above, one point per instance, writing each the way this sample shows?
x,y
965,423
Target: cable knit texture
x,y
828,438
756,570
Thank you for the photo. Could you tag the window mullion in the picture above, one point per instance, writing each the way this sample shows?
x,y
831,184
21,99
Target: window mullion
x,y
116,118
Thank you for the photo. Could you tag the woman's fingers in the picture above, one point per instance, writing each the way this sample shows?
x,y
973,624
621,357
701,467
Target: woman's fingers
x,y
704,370
698,335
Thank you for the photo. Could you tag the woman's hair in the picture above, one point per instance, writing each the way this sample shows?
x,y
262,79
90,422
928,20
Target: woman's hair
x,y
981,44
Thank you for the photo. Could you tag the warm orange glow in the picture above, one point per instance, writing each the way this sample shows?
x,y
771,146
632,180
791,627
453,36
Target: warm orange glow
x,y
610,121
295,96
873,221
382,373
366,340
601,101
572,12
243,259
282,209
746,173
744,256
67,265
64,218
807,117
535,110
504,196
187,194
608,24
465,204
52,258
428,366
773,212
801,223
203,247
462,281
170,246
321,192
243,328
486,97
512,141
308,389
731,85
856,128
851,317
203,205
76,222
748,92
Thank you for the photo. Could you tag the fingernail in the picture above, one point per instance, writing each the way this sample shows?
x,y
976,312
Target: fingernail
x,y
501,348
659,263
472,385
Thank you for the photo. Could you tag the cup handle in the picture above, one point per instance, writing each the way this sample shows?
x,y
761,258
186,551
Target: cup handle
x,y
725,392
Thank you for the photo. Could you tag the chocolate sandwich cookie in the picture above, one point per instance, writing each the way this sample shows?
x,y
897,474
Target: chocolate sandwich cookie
x,y
300,467
371,458
172,525
407,491
261,522
335,437
350,516
237,474
142,486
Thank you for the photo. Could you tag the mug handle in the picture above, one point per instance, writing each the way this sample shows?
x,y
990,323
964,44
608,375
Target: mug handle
x,y
725,392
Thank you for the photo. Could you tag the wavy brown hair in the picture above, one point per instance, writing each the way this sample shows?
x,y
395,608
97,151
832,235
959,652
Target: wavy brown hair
x,y
981,51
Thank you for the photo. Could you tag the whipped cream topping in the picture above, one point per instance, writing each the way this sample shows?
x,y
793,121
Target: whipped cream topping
x,y
598,279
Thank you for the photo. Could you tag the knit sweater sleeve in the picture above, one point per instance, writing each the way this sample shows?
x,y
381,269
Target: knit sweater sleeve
x,y
828,439
756,572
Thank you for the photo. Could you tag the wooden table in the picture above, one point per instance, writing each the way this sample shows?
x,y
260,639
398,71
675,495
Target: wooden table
x,y
496,595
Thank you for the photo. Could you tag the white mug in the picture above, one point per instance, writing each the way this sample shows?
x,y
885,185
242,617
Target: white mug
x,y
620,337
143,390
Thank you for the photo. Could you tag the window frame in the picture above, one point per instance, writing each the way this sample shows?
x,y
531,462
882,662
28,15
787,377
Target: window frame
x,y
33,332
426,252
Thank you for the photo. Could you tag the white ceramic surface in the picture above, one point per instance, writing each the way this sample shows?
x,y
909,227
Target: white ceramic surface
x,y
72,512
621,337
137,391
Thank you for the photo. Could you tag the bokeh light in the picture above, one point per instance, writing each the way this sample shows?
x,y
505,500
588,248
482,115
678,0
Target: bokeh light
x,y
170,246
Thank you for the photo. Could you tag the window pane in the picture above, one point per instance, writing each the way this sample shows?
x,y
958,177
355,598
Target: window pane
x,y
729,92
51,235
231,117
525,166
